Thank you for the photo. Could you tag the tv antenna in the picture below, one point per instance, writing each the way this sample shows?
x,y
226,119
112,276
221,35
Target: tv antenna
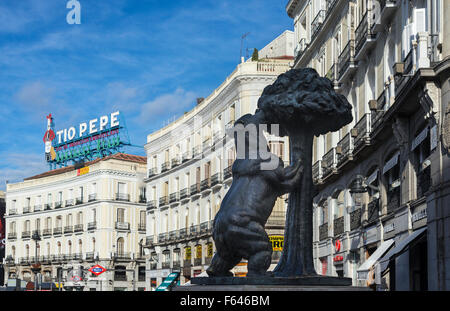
x,y
242,43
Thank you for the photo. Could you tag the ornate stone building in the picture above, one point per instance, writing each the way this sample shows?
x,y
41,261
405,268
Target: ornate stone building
x,y
189,172
382,181
70,219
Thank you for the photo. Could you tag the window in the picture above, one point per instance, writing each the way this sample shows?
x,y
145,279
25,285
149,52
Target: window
x,y
120,246
120,215
80,218
69,220
27,202
142,219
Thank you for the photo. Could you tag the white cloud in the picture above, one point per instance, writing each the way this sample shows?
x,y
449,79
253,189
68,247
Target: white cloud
x,y
35,95
17,166
166,106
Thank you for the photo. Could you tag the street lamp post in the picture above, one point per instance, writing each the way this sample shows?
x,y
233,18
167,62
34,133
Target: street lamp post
x,y
36,267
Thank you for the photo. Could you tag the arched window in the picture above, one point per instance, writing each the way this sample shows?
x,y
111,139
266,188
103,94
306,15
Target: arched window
x,y
80,246
69,249
93,244
69,220
27,251
48,249
13,251
59,247
38,250
80,218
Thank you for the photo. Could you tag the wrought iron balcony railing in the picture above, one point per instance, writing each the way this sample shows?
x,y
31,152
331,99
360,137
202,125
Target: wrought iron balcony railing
x,y
316,24
26,209
78,228
47,206
195,188
323,232
38,208
69,202
227,172
79,200
345,59
174,197
216,179
344,149
165,166
377,111
362,33
122,225
317,171
355,219
184,193
123,197
152,172
338,224
151,204
205,184
92,225
361,132
329,162
373,210
57,231
92,197
164,200
58,204
68,229
26,234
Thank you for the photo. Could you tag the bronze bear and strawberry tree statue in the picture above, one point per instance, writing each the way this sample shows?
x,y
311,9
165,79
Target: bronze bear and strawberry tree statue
x,y
304,105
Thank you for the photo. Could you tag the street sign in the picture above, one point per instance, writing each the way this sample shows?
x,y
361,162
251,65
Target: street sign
x,y
97,270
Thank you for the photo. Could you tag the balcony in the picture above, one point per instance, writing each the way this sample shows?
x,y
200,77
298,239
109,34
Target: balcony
x,y
393,199
338,224
78,228
377,110
373,210
152,172
58,204
329,163
346,64
186,157
330,5
142,227
163,200
26,209
195,189
173,235
175,162
122,256
47,206
92,197
38,208
205,227
173,197
317,23
47,232
92,225
276,220
165,265
381,16
227,172
90,256
344,150
361,133
142,199
407,67
355,219
78,257
79,200
216,179
217,136
205,184
165,166
26,234
149,241
196,151
206,144
323,232
194,230
69,202
423,181
163,237
68,229
12,235
57,231
12,211
176,265
317,172
184,193
125,226
56,258
151,204
122,197
364,38
197,261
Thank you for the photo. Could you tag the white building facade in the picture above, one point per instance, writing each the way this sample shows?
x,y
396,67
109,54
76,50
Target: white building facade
x,y
189,165
390,59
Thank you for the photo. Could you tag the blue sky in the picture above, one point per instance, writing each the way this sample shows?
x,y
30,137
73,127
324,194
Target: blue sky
x,y
149,59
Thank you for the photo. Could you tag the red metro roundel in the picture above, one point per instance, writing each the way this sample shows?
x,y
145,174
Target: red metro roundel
x,y
97,270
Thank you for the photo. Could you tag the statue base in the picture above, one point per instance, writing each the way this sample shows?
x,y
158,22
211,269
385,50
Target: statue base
x,y
305,283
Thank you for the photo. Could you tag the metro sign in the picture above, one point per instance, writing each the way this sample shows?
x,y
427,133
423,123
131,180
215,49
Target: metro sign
x,y
97,270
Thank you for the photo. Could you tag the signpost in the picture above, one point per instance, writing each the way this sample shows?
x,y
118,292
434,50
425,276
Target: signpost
x,y
97,270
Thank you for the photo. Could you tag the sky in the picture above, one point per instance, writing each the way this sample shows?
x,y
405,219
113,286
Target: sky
x,y
148,59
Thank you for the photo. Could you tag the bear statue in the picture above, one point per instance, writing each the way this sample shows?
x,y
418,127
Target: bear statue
x,y
238,229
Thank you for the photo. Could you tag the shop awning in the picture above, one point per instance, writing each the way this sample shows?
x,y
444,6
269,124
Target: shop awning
x,y
363,270
399,247
168,282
